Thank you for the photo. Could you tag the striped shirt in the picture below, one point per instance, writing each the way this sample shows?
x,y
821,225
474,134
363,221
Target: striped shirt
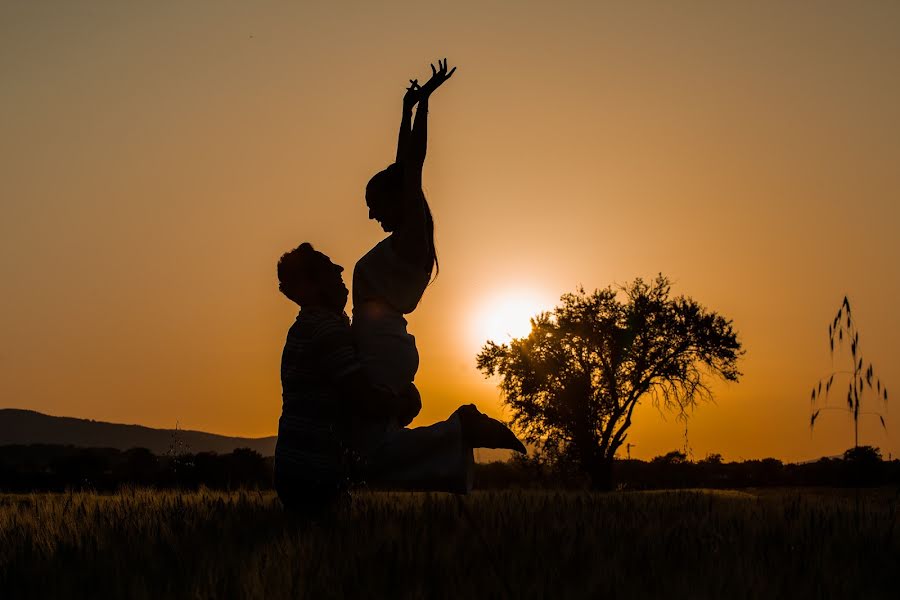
x,y
318,352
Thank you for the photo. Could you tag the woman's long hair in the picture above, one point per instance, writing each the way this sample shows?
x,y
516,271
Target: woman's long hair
x,y
389,184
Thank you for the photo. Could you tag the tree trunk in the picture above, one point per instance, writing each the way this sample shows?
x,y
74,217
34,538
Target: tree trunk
x,y
601,474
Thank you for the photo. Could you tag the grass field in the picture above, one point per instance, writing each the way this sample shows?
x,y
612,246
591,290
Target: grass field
x,y
525,544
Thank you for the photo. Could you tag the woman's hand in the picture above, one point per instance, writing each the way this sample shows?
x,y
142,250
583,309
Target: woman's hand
x,y
412,94
438,77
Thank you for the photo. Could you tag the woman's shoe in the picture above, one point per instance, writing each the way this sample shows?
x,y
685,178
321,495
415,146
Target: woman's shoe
x,y
481,431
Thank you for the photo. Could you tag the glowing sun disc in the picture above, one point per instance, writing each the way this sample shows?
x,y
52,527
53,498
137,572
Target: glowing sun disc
x,y
506,316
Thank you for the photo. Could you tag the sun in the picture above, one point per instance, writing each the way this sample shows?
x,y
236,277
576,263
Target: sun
x,y
507,315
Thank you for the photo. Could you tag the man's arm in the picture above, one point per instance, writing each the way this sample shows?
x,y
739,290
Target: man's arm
x,y
366,400
332,344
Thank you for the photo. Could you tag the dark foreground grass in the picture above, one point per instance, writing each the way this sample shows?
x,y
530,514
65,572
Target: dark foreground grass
x,y
525,544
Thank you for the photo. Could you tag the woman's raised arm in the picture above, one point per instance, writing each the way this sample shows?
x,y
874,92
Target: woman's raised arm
x,y
413,239
419,137
409,100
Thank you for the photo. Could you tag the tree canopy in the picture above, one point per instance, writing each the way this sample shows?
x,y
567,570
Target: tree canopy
x,y
573,383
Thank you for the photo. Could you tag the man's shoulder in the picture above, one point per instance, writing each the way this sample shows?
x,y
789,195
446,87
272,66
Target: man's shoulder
x,y
324,338
314,321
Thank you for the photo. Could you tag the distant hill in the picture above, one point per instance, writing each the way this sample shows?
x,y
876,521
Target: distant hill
x,y
19,426
29,427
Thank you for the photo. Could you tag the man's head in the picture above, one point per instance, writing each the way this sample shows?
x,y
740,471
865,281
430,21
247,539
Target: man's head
x,y
309,278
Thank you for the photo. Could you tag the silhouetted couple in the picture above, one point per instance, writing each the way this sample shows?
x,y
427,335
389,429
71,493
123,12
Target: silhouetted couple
x,y
348,391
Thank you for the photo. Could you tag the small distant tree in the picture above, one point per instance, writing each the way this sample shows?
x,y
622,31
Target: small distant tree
x,y
861,375
863,454
714,458
246,468
180,460
140,465
675,457
863,466
573,383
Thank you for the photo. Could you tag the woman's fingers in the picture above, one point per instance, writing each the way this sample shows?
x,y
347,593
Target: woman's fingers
x,y
443,69
439,75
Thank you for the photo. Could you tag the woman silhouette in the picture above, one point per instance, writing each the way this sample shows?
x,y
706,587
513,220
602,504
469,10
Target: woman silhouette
x,y
388,282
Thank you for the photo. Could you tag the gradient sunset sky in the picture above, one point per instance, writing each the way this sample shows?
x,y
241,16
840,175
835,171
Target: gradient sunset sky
x,y
157,158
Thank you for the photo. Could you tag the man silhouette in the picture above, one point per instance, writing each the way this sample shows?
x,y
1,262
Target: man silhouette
x,y
336,428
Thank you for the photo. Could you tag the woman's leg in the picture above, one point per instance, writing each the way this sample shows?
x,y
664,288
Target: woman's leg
x,y
436,457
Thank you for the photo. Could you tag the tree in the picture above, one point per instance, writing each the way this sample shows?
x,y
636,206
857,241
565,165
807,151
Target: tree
x,y
246,468
675,457
713,458
573,383
861,375
863,466
139,466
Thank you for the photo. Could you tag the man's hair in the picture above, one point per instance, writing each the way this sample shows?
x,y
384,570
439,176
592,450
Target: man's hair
x,y
294,268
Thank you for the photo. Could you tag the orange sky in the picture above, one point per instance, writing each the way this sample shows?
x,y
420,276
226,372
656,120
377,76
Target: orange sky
x,y
156,161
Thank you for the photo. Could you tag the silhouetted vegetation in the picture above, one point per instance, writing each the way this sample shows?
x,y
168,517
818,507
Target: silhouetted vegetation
x,y
60,468
860,377
511,544
573,383
860,467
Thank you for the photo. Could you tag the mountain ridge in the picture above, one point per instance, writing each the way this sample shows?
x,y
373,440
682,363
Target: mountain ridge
x,y
24,426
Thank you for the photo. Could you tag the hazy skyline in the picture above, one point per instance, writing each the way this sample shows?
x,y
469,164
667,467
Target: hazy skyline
x,y
158,159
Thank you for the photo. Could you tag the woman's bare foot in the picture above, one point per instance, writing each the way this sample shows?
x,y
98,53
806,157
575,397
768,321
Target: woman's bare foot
x,y
481,431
